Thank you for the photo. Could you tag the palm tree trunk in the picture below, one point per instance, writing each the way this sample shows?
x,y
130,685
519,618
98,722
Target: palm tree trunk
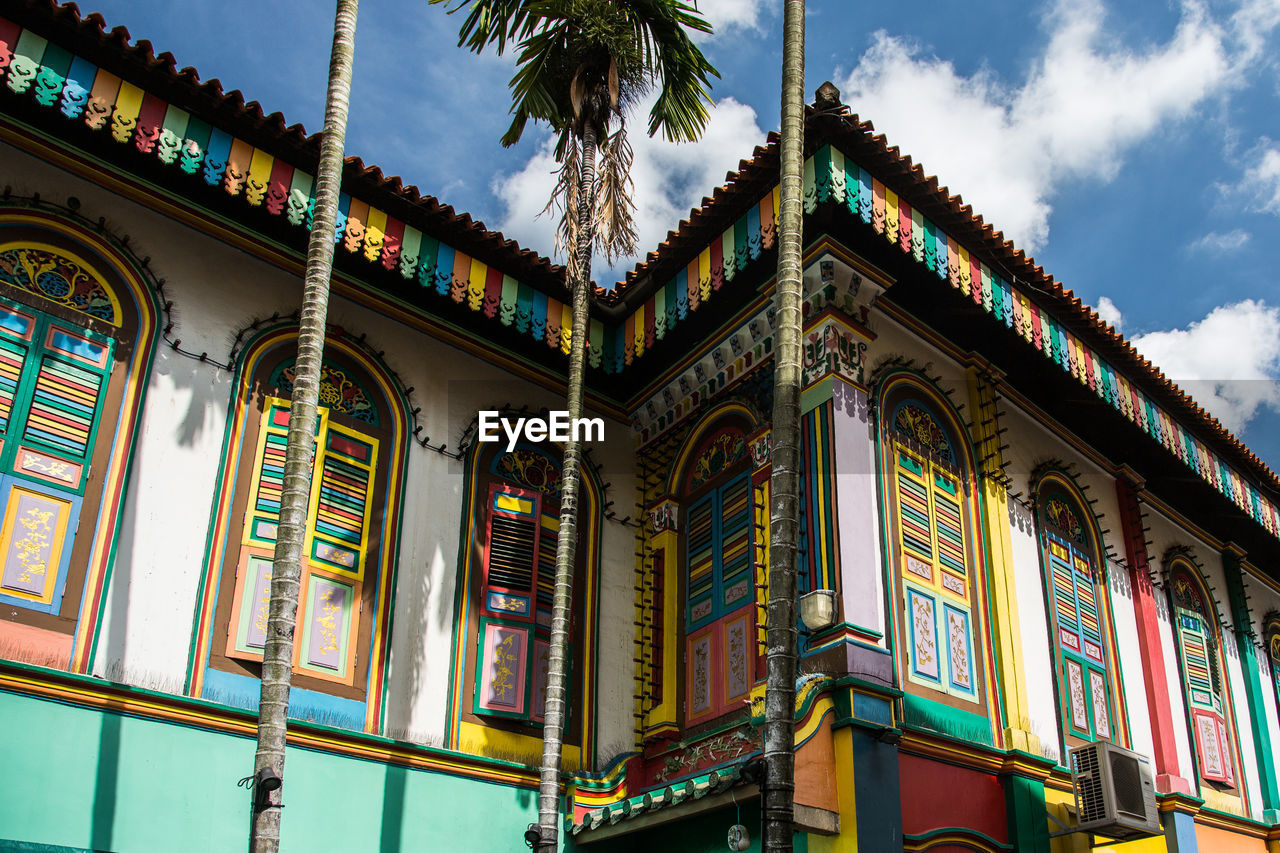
x,y
777,810
286,571
566,543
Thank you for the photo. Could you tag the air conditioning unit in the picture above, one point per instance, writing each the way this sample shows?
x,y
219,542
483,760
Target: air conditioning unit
x,y
1115,795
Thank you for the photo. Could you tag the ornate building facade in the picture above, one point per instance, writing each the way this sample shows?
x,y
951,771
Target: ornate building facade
x,y
1034,541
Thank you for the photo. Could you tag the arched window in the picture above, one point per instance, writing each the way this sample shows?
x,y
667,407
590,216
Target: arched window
x,y
718,577
77,333
511,528
340,641
1195,627
933,544
1077,612
1271,633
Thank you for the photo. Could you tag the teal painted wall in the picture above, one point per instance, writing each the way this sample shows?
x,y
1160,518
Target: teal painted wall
x,y
88,780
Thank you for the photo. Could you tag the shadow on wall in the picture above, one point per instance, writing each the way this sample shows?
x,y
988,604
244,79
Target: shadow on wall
x,y
205,389
105,789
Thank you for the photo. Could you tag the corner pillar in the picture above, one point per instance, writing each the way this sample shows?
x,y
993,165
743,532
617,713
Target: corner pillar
x,y
1233,568
1169,778
1006,636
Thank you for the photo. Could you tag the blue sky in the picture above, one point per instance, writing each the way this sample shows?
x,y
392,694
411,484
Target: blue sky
x,y
1132,148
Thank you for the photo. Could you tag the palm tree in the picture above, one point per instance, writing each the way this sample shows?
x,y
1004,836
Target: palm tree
x,y
581,65
286,571
777,807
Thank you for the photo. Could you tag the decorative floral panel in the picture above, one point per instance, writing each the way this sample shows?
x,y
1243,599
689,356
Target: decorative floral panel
x,y
699,675
530,469
503,669
1063,519
1098,690
58,278
959,649
1075,693
247,637
339,393
541,666
34,542
922,611
1212,760
738,657
717,454
917,424
328,613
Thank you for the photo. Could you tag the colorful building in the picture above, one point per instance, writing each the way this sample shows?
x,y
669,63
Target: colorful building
x,y
1035,541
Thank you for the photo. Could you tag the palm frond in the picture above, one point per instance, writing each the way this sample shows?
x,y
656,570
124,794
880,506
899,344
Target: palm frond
x,y
564,199
490,21
615,225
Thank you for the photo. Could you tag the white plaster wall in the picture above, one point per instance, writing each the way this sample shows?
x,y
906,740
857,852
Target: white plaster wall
x,y
1037,674
1031,444
858,517
217,290
1129,650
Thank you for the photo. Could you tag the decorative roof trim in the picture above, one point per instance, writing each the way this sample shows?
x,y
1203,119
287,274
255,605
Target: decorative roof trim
x,y
199,154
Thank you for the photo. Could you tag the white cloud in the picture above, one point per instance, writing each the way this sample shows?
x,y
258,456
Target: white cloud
x,y
1262,180
1109,313
1086,103
1229,361
670,180
1218,242
726,15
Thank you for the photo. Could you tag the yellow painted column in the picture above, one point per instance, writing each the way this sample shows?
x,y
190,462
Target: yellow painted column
x,y
1006,636
664,547
847,840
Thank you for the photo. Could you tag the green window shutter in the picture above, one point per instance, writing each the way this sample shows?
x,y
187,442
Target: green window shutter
x,y
1085,685
1204,696
53,377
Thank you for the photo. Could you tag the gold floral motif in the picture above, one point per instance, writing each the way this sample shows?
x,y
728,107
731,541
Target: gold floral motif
x,y
262,610
32,549
503,683
959,651
701,688
737,659
926,649
330,611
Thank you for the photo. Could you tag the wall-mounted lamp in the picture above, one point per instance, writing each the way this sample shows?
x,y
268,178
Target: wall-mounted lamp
x,y
262,784
818,609
266,781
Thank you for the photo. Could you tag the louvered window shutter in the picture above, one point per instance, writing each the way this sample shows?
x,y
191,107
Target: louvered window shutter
x,y
931,538
510,601
1084,681
1204,695
336,545
53,379
720,626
